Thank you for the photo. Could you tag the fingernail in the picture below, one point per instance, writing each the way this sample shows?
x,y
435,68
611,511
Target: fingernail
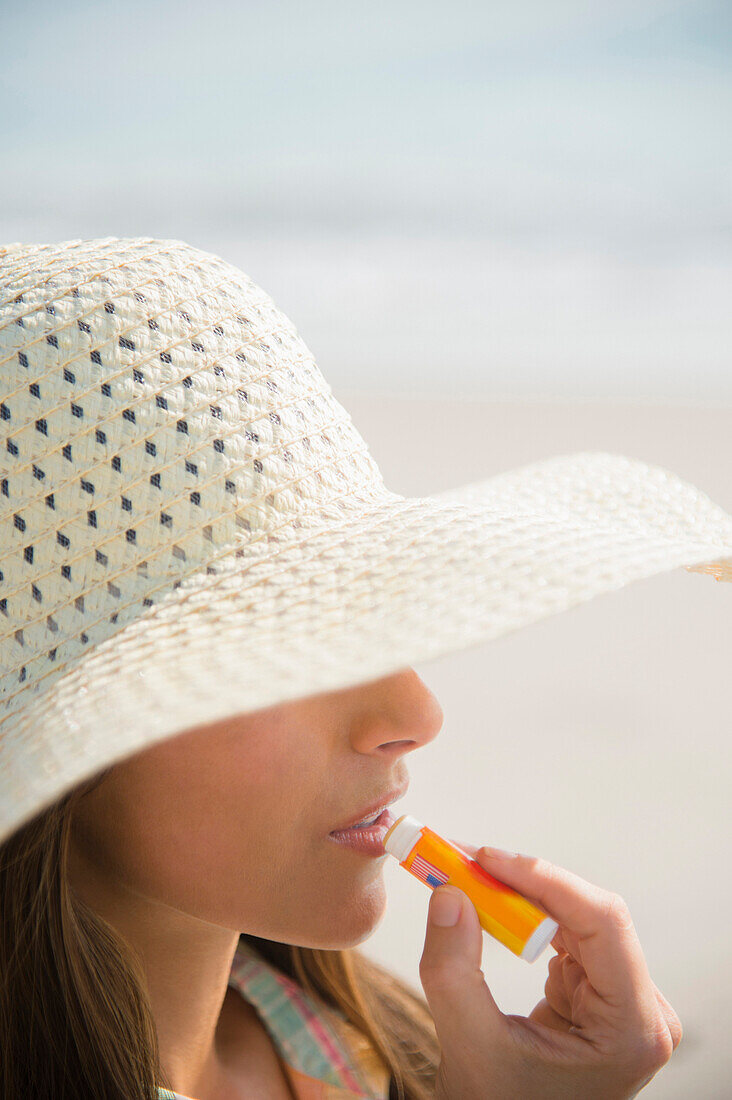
x,y
444,908
499,853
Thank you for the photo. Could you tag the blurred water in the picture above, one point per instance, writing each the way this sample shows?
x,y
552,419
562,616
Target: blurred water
x,y
531,199
465,317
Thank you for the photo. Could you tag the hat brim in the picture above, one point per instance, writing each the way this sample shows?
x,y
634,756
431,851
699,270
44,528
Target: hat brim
x,y
320,607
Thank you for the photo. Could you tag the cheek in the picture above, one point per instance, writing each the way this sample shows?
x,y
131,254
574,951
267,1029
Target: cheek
x,y
247,871
190,854
239,855
237,835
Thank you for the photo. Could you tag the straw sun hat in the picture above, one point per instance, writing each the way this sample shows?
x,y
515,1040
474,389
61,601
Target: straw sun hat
x,y
192,526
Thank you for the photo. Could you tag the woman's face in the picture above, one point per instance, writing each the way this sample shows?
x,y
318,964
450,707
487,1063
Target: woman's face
x,y
229,822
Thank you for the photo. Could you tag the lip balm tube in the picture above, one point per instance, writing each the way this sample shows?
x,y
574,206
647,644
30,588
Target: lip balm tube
x,y
503,913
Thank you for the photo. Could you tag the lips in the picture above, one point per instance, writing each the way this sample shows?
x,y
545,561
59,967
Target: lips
x,y
368,840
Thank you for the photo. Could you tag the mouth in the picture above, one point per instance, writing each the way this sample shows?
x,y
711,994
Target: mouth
x,y
371,816
367,837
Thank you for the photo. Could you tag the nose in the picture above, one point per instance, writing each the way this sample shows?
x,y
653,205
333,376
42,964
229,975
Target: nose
x,y
398,714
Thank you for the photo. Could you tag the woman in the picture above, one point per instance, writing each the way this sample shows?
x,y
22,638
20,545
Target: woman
x,y
212,603
182,845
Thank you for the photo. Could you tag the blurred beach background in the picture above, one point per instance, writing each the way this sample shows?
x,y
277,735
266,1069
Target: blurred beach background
x,y
507,224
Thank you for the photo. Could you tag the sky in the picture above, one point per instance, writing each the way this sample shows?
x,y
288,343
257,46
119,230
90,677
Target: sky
x,y
532,198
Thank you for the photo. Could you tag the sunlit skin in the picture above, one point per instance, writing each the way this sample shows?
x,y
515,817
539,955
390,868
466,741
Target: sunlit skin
x,y
190,842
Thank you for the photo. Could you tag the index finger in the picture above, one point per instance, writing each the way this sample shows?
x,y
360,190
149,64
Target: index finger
x,y
608,945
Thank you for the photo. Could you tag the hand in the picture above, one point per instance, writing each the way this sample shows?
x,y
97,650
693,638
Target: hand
x,y
602,1030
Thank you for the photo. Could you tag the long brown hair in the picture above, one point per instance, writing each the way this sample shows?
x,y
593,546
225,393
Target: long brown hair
x,y
75,1020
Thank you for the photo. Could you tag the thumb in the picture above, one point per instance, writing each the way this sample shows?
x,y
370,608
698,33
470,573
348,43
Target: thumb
x,y
459,999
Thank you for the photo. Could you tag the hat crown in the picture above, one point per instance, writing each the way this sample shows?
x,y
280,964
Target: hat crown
x,y
157,412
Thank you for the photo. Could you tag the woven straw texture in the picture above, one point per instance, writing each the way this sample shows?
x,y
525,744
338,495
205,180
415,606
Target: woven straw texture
x,y
192,526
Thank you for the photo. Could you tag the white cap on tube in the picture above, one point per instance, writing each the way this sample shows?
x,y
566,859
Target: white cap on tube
x,y
539,938
404,835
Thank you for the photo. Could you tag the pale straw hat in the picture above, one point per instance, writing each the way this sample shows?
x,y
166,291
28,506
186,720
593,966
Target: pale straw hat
x,y
192,527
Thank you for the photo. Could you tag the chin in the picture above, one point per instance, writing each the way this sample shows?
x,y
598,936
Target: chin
x,y
359,920
351,920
